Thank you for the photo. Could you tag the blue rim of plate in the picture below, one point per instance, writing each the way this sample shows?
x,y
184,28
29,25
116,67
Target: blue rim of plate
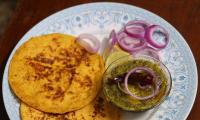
x,y
73,10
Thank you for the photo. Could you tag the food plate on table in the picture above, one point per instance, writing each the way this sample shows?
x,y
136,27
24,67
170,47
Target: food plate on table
x,y
99,19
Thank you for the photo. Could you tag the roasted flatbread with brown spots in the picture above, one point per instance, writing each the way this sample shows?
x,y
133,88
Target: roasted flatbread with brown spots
x,y
53,73
99,109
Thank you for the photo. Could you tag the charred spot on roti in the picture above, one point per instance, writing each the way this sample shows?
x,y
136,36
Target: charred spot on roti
x,y
98,108
59,94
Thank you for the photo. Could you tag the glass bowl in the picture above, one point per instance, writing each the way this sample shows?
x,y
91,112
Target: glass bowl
x,y
121,66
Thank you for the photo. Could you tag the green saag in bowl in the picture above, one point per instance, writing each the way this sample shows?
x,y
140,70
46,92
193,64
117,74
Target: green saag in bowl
x,y
116,93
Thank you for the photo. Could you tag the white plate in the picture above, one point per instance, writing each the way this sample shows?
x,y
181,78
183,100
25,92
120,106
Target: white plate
x,y
98,19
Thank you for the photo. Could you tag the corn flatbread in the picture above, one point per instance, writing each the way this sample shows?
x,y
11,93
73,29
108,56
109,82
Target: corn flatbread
x,y
99,109
53,73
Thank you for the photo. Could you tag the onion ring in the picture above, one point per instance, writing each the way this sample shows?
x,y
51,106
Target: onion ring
x,y
157,84
136,28
151,30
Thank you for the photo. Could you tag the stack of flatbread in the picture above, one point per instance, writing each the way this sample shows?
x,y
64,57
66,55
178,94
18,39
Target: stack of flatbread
x,y
57,79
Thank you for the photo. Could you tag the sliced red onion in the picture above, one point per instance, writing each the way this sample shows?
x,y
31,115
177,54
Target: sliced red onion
x,y
130,44
155,81
112,40
147,52
89,42
136,28
140,86
120,88
156,29
144,87
113,37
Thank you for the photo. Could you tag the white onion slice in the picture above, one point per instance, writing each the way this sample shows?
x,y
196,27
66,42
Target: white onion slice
x,y
89,42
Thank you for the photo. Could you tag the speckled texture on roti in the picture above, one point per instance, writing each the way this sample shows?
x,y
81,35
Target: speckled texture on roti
x,y
52,73
99,109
